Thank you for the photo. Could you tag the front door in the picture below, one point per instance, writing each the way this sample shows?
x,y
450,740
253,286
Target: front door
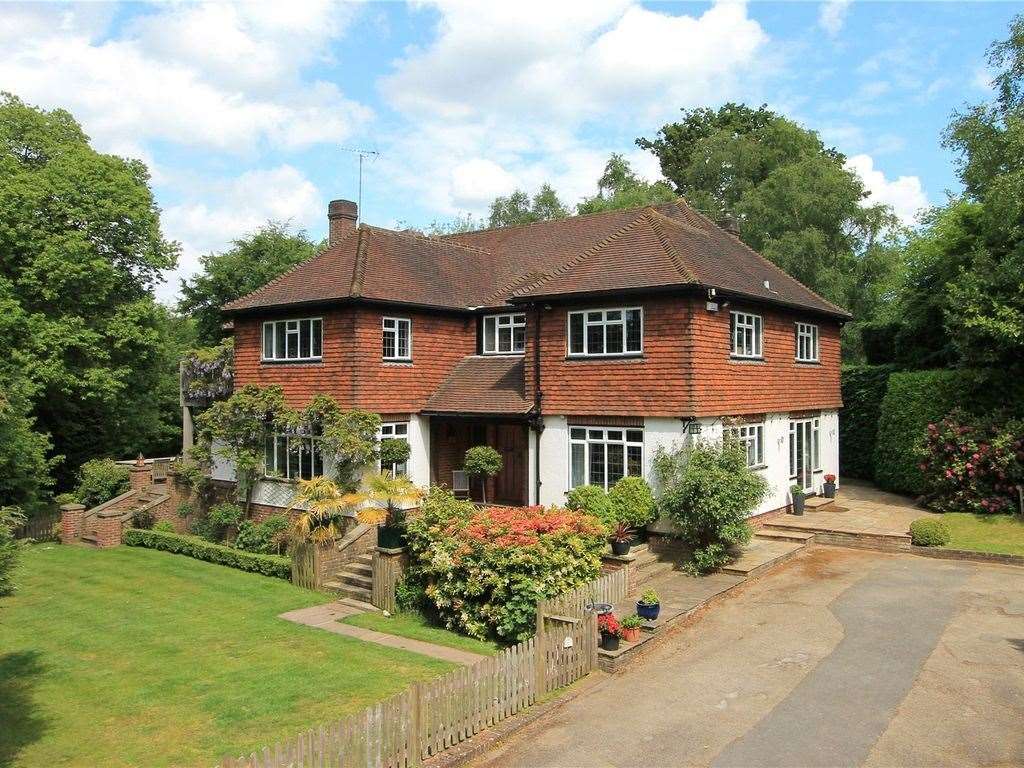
x,y
510,483
803,452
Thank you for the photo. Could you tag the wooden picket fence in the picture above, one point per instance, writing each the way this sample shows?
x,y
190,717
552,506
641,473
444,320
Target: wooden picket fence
x,y
39,528
431,717
387,572
575,604
304,571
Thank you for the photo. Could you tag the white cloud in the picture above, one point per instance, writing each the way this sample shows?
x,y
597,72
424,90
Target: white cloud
x,y
904,193
243,204
211,75
832,15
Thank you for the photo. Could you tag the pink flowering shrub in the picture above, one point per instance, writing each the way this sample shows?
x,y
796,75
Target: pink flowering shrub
x,y
484,570
973,464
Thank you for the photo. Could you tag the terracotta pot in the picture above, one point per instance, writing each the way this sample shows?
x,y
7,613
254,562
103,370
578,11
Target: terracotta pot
x,y
631,634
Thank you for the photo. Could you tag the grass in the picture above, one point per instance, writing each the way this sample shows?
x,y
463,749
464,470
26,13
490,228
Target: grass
x,y
129,657
417,627
1003,534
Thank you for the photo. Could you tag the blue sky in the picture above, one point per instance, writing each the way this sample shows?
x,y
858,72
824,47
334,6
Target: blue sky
x,y
241,111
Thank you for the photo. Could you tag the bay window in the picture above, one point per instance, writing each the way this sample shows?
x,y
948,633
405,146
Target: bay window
x,y
602,456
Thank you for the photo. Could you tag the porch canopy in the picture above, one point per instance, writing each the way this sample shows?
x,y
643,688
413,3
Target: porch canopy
x,y
482,402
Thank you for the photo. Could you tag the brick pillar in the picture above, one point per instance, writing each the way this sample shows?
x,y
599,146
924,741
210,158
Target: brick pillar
x,y
141,476
71,518
108,529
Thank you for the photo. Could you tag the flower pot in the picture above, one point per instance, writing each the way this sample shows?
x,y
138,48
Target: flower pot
x,y
798,504
609,641
649,612
621,547
829,490
391,536
631,634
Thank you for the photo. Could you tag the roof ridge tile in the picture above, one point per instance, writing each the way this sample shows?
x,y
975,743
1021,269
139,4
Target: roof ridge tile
x,y
424,238
654,216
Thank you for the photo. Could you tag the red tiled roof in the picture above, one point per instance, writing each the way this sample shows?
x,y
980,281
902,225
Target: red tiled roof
x,y
656,246
482,384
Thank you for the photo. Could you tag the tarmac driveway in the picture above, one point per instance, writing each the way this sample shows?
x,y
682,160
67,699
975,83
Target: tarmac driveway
x,y
838,658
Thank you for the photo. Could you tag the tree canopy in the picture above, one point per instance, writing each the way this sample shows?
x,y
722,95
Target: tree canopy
x,y
251,262
520,208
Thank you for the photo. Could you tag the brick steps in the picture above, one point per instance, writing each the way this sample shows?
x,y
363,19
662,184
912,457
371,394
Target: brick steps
x,y
354,580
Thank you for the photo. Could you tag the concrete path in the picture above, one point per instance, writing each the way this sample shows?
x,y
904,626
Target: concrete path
x,y
838,657
327,617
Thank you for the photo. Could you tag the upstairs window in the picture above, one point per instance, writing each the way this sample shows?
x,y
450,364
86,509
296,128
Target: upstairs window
x,y
504,334
806,343
397,338
746,335
606,332
751,437
395,431
294,457
293,339
601,456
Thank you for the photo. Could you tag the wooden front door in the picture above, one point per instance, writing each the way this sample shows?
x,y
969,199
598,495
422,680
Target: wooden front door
x,y
510,483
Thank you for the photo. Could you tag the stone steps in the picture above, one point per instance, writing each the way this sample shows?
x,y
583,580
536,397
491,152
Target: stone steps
x,y
762,554
816,502
354,580
783,534
349,591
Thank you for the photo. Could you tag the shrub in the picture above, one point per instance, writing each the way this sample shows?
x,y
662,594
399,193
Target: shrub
x,y
863,387
265,538
484,570
65,498
592,500
709,491
632,502
164,526
973,464
222,517
100,480
926,532
185,509
916,399
10,518
393,451
142,518
192,546
410,595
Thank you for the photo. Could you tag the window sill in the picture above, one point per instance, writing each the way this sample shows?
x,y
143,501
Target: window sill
x,y
304,361
502,354
605,358
281,480
399,361
810,363
758,467
741,359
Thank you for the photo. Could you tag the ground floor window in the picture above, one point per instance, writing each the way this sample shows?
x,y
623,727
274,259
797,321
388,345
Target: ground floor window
x,y
751,437
602,456
295,457
395,431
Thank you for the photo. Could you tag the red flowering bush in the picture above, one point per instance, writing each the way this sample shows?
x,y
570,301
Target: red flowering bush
x,y
607,624
484,570
973,464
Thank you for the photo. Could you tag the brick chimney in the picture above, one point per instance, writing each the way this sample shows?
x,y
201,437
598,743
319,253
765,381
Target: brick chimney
x,y
341,219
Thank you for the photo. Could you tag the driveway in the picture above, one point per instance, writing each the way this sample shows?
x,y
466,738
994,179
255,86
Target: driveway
x,y
839,658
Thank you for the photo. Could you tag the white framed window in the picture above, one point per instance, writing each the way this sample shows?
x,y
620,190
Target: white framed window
x,y
606,332
397,338
806,343
293,340
294,457
603,455
751,437
746,334
398,430
504,334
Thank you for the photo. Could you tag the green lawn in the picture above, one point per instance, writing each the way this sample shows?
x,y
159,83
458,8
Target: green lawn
x,y
986,533
128,657
415,626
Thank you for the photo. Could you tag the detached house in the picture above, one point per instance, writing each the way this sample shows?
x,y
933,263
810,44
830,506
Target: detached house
x,y
574,347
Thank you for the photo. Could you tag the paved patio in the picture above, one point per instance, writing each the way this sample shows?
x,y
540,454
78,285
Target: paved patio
x,y
859,509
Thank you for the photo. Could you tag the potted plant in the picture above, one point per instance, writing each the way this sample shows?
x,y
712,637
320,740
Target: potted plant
x,y
798,499
394,492
649,605
621,539
830,486
610,629
631,628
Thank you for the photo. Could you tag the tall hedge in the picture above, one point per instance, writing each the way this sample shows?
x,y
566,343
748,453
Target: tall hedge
x,y
915,399
863,389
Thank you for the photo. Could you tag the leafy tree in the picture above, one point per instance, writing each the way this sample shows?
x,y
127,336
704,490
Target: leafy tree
x,y
519,208
80,252
10,548
482,461
792,197
100,480
251,262
24,466
619,187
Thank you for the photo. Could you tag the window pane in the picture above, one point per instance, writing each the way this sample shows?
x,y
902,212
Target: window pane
x,y
281,460
305,348
576,333
318,460
577,434
403,338
614,434
578,466
318,337
597,464
595,339
633,335
635,435
268,340
634,461
616,463
489,334
615,335
279,341
519,339
401,429
597,434
268,454
613,314
389,343
505,339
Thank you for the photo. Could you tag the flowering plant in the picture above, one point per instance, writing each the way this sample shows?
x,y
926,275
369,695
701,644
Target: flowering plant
x,y
830,478
972,464
607,624
208,374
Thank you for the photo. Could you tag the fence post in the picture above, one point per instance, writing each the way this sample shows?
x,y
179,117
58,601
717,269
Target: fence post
x,y
415,713
540,653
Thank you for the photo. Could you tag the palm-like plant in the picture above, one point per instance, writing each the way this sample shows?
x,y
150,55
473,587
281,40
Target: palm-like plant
x,y
391,490
320,506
